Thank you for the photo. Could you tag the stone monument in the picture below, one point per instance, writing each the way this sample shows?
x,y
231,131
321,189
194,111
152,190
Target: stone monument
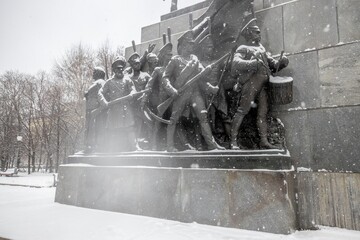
x,y
213,107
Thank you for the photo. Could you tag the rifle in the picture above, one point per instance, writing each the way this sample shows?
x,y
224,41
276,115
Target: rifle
x,y
166,104
95,112
229,61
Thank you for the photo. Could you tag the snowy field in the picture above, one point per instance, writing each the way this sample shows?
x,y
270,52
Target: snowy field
x,y
31,213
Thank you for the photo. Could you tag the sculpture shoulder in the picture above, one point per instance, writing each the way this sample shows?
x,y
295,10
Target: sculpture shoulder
x,y
158,71
127,79
145,75
242,49
176,58
100,81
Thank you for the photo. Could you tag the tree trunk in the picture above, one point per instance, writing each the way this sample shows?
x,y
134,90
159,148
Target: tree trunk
x,y
33,160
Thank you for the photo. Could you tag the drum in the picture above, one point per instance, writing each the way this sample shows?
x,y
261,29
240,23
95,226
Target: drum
x,y
281,90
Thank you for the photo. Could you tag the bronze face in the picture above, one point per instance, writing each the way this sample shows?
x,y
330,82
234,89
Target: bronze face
x,y
118,71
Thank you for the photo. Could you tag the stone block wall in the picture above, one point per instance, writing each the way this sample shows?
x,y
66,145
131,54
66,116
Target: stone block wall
x,y
246,199
322,41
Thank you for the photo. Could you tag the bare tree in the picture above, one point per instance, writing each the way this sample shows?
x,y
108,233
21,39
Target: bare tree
x,y
106,54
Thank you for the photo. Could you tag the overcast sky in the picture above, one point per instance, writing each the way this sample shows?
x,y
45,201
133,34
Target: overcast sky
x,y
34,32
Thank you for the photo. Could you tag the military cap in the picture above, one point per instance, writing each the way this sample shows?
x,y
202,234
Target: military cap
x,y
99,69
133,57
151,56
120,60
251,25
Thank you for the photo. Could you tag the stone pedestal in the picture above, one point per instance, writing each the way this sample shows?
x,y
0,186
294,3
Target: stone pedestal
x,y
253,199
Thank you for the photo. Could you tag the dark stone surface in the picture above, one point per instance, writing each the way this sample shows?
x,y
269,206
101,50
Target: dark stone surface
x,y
335,135
241,159
309,24
271,26
298,137
229,198
340,75
258,4
324,138
349,20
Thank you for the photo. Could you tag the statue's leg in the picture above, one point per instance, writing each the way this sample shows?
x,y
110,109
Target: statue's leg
x,y
154,135
133,143
248,94
177,109
201,114
262,120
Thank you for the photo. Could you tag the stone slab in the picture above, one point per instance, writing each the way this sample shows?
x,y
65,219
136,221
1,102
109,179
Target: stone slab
x,y
335,135
328,199
230,198
258,4
349,20
273,3
309,25
324,139
340,75
242,159
150,32
177,24
271,26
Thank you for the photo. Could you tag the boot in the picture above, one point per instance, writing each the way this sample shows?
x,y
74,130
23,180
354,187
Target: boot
x,y
262,126
209,139
235,126
264,144
170,138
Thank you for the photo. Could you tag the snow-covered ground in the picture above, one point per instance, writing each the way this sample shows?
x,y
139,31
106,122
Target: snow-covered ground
x,y
31,213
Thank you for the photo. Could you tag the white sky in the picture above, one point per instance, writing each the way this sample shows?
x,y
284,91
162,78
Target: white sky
x,y
34,32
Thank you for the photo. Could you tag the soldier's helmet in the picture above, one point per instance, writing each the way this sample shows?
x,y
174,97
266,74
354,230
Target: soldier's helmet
x,y
187,37
135,57
151,57
98,73
119,61
250,26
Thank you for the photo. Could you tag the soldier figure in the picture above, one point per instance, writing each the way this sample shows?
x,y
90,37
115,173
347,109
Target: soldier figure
x,y
252,66
120,119
214,94
152,62
157,92
93,125
183,67
140,79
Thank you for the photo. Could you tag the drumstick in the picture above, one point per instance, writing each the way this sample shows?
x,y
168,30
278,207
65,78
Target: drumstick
x,y
281,55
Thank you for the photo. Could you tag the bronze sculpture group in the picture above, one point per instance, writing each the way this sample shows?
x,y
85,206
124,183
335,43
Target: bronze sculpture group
x,y
186,101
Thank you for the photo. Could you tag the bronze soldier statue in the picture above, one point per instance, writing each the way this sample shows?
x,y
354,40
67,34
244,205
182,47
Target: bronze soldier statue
x,y
93,125
252,66
157,93
120,124
214,91
181,68
151,63
140,79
